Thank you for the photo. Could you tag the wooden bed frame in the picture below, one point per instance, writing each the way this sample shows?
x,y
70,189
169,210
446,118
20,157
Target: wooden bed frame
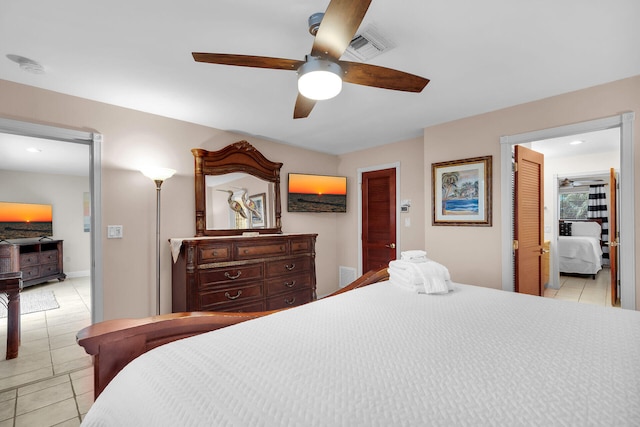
x,y
115,343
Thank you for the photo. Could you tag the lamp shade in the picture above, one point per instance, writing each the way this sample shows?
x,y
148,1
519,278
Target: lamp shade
x,y
319,79
158,174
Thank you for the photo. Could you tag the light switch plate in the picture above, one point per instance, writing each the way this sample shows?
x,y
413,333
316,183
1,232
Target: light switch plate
x,y
114,232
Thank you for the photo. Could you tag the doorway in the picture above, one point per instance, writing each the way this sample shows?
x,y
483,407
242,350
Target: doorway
x,y
383,244
93,140
575,166
626,249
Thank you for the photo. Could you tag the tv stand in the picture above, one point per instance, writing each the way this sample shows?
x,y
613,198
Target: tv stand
x,y
39,261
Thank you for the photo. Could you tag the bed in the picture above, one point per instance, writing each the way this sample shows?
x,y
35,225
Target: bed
x,y
580,247
382,355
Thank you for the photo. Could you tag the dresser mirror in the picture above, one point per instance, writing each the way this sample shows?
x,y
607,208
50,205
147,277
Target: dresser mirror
x,y
237,190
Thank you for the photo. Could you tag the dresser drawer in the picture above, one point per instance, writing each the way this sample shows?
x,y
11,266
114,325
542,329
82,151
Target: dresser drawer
x,y
289,300
239,294
48,269
250,250
287,283
48,257
32,258
231,274
299,246
30,272
288,266
241,308
214,253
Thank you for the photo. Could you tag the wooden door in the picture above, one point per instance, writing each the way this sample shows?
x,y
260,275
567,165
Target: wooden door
x,y
613,236
378,218
528,220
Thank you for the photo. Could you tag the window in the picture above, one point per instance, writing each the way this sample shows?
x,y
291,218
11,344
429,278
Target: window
x,y
574,205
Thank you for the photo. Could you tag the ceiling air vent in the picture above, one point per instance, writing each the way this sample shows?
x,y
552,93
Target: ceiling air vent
x,y
368,44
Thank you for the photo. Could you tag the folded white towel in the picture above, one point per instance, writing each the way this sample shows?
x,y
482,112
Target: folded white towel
x,y
402,282
409,277
426,277
414,255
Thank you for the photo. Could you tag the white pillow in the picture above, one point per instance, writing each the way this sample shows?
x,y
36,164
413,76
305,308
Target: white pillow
x,y
586,228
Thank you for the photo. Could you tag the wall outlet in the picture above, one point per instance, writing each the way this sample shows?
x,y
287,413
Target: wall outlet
x,y
114,232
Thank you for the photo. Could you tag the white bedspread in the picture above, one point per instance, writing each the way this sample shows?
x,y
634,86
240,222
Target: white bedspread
x,y
579,254
382,356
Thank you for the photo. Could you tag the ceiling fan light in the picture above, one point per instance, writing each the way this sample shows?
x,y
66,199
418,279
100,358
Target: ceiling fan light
x,y
319,79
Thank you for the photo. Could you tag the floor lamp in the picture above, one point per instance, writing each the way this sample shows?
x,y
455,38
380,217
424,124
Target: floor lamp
x,y
158,175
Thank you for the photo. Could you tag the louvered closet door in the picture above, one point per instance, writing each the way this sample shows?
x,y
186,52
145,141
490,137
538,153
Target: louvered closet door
x,y
529,220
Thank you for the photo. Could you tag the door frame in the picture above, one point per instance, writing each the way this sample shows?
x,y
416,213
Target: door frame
x,y
626,251
395,166
94,141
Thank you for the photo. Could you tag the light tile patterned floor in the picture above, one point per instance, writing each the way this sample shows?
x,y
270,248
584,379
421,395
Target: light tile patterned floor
x,y
50,383
584,289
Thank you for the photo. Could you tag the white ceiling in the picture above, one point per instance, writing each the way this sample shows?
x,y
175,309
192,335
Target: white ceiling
x,y
603,141
479,55
37,155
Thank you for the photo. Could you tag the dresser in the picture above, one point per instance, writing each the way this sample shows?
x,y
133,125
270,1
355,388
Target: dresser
x,y
243,273
38,260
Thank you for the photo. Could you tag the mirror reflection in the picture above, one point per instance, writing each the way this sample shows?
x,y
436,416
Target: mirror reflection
x,y
238,201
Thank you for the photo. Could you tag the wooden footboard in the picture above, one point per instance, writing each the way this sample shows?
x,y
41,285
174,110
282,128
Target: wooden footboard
x,y
115,343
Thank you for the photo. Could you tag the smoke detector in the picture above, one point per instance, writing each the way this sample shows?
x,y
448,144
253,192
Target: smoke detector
x,y
26,64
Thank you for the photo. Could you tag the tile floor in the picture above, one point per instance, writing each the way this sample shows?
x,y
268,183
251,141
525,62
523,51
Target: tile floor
x,y
584,289
50,383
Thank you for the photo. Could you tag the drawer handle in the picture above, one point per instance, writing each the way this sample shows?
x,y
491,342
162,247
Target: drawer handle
x,y
228,295
228,276
290,266
290,284
290,301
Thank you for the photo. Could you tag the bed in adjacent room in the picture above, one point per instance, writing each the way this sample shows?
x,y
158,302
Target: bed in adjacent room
x,y
580,247
383,354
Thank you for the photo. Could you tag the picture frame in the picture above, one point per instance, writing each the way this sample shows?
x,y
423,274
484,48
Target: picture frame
x,y
461,192
257,217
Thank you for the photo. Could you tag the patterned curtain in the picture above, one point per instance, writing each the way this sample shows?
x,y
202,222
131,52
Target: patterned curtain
x,y
598,209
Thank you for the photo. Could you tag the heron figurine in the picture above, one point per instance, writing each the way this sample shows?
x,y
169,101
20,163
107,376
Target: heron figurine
x,y
234,204
250,204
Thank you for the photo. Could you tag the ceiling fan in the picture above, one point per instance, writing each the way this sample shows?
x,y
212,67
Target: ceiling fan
x,y
571,183
333,30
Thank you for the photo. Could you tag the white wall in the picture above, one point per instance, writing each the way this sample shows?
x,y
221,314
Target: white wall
x,y
474,254
65,194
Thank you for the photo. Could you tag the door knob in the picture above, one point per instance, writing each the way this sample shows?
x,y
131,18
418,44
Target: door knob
x,y
391,245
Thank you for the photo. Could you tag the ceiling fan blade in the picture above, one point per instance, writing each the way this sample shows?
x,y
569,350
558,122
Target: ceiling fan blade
x,y
386,78
248,61
338,26
303,107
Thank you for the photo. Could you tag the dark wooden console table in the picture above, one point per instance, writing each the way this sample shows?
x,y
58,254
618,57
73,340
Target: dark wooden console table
x,y
11,284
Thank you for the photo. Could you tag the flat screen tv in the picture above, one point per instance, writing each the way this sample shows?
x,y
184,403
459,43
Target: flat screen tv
x,y
25,220
317,193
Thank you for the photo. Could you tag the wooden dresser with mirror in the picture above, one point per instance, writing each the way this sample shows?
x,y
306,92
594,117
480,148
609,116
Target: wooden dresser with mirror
x,y
240,260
